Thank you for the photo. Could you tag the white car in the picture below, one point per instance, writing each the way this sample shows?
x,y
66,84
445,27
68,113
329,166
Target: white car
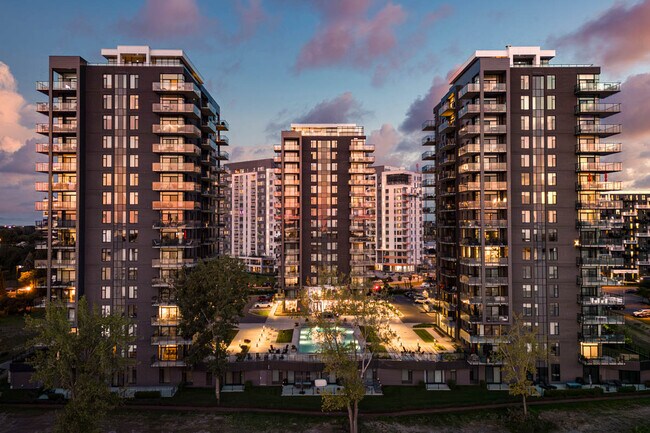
x,y
642,313
262,305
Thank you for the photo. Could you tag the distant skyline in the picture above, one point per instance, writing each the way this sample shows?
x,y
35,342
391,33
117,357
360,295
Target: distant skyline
x,y
268,63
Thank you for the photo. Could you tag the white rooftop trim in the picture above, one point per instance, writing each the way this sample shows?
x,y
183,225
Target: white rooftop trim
x,y
149,53
510,52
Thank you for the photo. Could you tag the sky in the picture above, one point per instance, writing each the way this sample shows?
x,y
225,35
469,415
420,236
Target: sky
x,y
268,63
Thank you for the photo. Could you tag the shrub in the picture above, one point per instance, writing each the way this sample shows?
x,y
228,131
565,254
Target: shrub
x,y
146,394
248,385
626,388
564,393
451,384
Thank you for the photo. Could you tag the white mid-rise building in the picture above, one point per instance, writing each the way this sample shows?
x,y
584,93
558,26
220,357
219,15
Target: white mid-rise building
x,y
399,220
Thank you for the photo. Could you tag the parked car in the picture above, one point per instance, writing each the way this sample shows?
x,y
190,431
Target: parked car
x,y
262,305
642,313
265,298
409,294
631,291
420,300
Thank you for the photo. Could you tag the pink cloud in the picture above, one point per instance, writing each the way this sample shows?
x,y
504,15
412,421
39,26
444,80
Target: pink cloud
x,y
173,19
422,108
341,109
394,148
348,35
619,37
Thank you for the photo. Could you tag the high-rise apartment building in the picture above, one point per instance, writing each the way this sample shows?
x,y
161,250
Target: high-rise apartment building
x,y
399,220
133,191
253,230
327,203
519,145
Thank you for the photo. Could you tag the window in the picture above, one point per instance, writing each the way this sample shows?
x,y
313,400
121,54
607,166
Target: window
x,y
133,161
525,179
524,82
552,179
525,160
133,217
106,292
133,235
106,254
107,198
525,123
133,254
550,142
106,236
527,291
554,328
106,217
550,123
134,102
527,272
108,81
550,82
527,310
133,81
525,142
133,179
525,197
133,197
525,102
107,161
554,309
133,274
525,216
550,102
108,122
552,216
106,310
134,122
525,235
552,235
552,254
106,274
552,272
555,372
407,376
107,142
134,142
554,290
133,292
555,349
551,160
551,197
107,179
525,253
108,102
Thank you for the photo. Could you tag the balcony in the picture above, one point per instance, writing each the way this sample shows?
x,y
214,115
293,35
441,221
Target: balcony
x,y
56,186
222,155
446,126
176,167
176,205
594,88
469,90
429,168
174,243
600,204
176,129
599,186
184,148
57,167
57,128
176,186
474,148
56,147
447,108
600,130
603,260
56,205
222,140
165,321
429,140
358,169
598,148
597,109
169,340
44,107
63,86
428,183
495,129
188,89
607,319
469,130
222,125
605,299
599,167
476,186
172,263
429,125
190,110
208,126
368,159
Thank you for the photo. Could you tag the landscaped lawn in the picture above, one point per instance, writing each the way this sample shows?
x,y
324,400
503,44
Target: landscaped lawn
x,y
285,336
424,335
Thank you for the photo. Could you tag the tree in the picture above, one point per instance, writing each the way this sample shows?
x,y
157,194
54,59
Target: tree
x,y
644,288
211,298
369,317
519,353
81,360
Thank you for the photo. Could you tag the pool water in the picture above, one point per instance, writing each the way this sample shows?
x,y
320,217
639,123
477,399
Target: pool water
x,y
309,338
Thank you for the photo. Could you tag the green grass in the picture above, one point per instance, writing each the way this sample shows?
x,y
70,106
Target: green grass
x,y
423,325
371,337
425,336
263,313
285,336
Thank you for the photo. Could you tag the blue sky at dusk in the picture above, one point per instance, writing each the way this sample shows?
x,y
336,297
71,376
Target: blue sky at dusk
x,y
272,62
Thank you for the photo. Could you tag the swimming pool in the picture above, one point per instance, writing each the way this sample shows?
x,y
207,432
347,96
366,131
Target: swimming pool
x,y
309,338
